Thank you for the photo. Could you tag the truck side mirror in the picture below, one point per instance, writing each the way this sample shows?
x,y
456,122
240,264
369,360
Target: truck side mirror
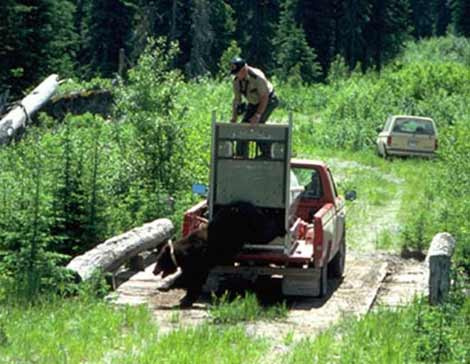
x,y
351,195
199,189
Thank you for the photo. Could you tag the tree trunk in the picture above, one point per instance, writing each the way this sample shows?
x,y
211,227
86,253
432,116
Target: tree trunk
x,y
17,119
438,264
110,255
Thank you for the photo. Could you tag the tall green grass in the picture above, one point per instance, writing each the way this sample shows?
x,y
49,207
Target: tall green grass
x,y
91,331
244,308
415,334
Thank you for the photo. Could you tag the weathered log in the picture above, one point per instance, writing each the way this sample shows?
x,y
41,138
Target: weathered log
x,y
110,255
438,267
19,116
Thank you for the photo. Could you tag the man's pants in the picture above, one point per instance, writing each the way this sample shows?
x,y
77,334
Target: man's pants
x,y
242,147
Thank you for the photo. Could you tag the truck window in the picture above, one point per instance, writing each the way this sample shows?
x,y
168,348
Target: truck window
x,y
414,126
311,182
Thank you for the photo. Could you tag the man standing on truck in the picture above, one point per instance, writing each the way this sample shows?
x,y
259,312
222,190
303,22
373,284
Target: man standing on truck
x,y
258,92
256,89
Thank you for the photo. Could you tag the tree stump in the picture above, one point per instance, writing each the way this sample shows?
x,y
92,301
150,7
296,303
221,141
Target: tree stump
x,y
438,265
110,255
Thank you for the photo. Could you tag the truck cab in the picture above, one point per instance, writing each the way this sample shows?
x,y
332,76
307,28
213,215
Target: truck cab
x,y
298,194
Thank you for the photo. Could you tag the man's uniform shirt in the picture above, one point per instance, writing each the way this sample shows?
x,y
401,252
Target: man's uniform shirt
x,y
252,86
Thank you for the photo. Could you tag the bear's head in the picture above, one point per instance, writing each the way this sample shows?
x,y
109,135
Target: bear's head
x,y
166,262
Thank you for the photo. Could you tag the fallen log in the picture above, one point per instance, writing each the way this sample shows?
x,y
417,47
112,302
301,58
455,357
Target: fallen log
x,y
114,252
438,267
19,116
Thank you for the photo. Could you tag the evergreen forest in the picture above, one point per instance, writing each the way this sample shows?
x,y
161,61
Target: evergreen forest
x,y
287,38
340,67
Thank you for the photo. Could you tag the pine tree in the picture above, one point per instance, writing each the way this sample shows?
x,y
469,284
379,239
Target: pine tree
x,y
37,38
14,61
294,58
442,15
352,24
223,26
461,17
256,27
202,39
69,199
422,17
110,25
170,19
320,20
386,31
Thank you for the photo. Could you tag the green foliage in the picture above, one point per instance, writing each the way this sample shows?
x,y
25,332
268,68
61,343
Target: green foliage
x,y
224,25
295,60
232,51
244,308
452,184
202,39
37,39
438,50
385,32
110,27
461,13
418,333
155,151
70,331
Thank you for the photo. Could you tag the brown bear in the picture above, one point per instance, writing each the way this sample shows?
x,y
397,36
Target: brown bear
x,y
213,244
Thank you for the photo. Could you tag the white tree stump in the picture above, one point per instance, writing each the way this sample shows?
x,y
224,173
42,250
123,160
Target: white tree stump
x,y
114,252
18,117
438,267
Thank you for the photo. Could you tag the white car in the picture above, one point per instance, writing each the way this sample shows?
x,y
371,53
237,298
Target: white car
x,y
407,135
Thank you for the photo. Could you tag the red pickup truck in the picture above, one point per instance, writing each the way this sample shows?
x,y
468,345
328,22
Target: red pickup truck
x,y
299,193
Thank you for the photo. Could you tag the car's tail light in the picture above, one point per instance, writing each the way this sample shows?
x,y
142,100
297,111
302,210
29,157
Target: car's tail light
x,y
389,140
435,144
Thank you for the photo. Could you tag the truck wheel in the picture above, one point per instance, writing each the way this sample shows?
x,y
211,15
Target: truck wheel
x,y
386,155
323,281
336,266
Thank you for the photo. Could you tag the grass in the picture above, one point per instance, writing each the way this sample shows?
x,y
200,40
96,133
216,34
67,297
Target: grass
x,y
91,331
390,193
244,308
415,334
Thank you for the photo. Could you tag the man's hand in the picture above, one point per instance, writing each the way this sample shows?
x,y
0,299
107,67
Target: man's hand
x,y
255,118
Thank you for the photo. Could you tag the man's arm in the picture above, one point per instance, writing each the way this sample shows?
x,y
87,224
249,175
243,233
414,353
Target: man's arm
x,y
263,103
235,103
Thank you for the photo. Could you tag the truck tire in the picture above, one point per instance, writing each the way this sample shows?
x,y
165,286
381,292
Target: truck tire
x,y
336,266
323,281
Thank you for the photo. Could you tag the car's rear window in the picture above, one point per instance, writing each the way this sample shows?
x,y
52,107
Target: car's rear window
x,y
414,126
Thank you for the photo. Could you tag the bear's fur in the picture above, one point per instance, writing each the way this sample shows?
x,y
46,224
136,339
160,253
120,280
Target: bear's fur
x,y
214,244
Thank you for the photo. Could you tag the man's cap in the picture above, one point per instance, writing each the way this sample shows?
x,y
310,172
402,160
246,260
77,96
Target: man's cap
x,y
236,64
